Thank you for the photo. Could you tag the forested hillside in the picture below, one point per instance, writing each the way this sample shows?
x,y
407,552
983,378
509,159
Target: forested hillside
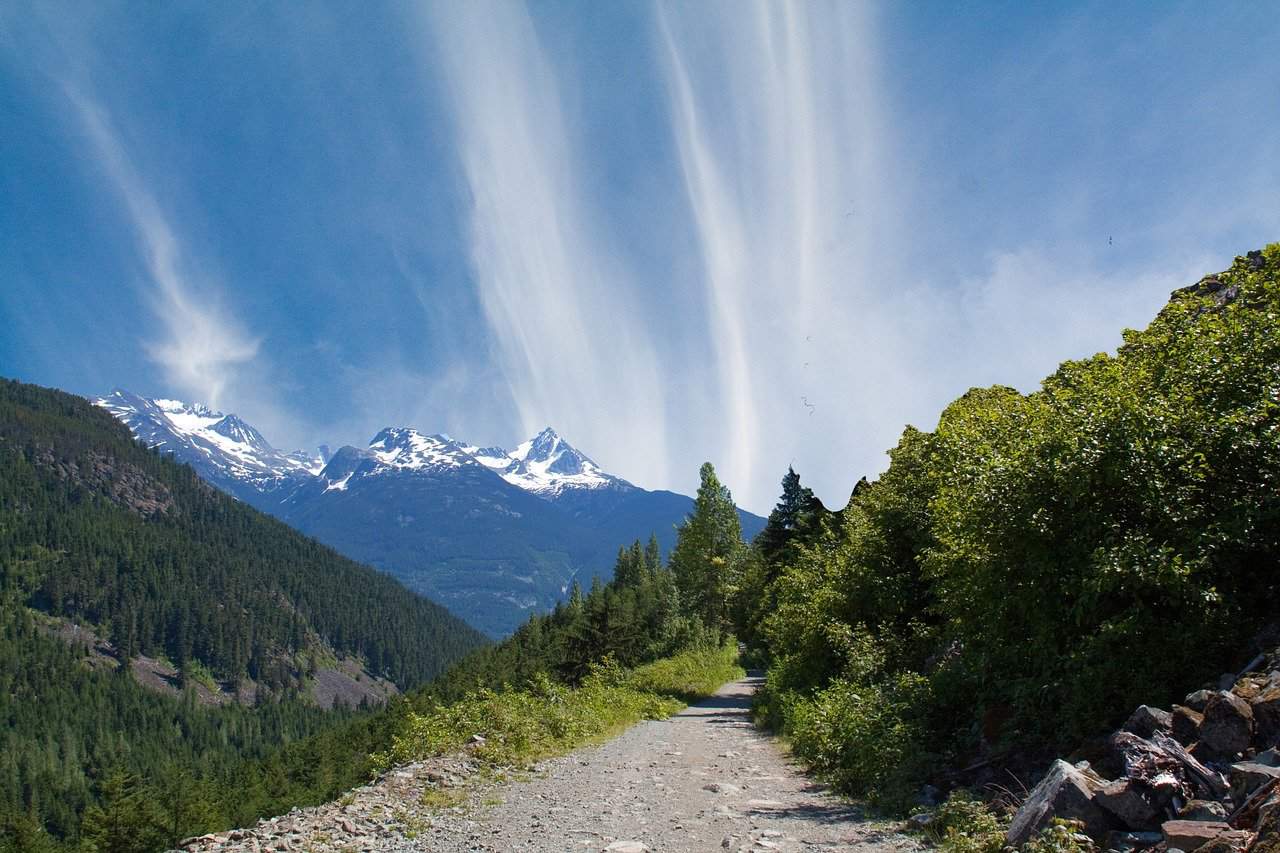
x,y
96,529
1039,564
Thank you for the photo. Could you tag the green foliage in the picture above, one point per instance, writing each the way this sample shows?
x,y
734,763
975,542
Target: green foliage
x,y
865,738
103,530
98,530
1061,836
1015,563
708,546
964,824
547,718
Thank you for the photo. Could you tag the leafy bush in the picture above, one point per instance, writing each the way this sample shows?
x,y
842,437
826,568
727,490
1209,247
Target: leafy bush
x,y
521,726
867,739
964,824
689,676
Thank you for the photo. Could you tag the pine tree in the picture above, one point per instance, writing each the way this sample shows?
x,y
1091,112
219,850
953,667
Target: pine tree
x,y
796,513
706,552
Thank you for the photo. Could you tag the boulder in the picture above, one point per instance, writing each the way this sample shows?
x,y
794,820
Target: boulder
x,y
1227,728
1249,776
1266,715
1269,757
1196,701
1064,792
1185,724
1132,802
1146,721
1194,834
1203,810
1231,842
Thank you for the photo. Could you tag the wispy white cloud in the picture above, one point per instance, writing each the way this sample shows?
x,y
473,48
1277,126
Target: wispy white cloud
x,y
203,345
788,168
560,306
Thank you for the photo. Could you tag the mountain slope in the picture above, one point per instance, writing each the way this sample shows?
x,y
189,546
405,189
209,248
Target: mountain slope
x,y
493,534
94,527
223,449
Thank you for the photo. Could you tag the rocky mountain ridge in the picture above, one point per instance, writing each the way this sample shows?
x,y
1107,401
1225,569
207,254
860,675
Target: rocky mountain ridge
x,y
492,534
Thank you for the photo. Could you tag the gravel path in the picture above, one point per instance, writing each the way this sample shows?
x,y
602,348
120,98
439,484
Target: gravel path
x,y
703,780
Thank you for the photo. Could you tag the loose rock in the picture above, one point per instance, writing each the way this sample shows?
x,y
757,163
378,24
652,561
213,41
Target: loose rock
x,y
1227,728
1065,792
1194,834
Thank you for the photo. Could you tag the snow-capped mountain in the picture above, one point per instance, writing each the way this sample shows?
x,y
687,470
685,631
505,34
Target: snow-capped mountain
x,y
547,465
490,533
221,447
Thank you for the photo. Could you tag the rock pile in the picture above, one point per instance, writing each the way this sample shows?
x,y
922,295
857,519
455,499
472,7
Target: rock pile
x,y
1204,777
374,818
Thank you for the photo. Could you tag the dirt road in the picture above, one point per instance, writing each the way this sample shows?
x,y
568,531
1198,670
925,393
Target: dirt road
x,y
704,779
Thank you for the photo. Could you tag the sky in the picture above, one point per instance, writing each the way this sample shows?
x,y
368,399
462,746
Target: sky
x,y
764,234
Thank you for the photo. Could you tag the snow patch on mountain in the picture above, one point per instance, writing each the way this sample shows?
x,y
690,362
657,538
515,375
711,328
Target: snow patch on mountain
x,y
546,465
208,438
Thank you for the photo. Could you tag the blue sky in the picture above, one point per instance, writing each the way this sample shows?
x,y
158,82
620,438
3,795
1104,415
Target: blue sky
x,y
760,234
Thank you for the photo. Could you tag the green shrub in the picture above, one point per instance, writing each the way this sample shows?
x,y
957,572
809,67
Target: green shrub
x,y
521,726
964,824
690,675
867,739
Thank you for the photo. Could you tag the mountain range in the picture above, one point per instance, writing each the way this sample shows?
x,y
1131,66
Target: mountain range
x,y
492,534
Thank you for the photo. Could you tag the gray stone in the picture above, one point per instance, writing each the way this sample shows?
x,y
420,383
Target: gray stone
x,y
1185,724
1136,805
1269,757
627,847
1064,792
1145,721
1194,834
1228,724
1196,701
1248,776
1203,810
1266,715
721,788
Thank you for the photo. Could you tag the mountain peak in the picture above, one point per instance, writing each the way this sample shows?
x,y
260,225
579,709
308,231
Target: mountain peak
x,y
221,446
405,447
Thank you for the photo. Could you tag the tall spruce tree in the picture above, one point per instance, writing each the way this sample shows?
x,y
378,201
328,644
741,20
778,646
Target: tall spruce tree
x,y
796,512
706,552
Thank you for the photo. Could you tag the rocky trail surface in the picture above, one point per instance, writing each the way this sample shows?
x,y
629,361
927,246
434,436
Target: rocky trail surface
x,y
704,779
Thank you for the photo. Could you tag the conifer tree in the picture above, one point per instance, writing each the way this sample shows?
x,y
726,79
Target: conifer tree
x,y
796,512
707,548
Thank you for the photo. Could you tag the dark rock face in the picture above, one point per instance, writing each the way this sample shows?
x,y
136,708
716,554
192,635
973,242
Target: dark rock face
x,y
1146,721
1132,802
1228,724
1185,725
